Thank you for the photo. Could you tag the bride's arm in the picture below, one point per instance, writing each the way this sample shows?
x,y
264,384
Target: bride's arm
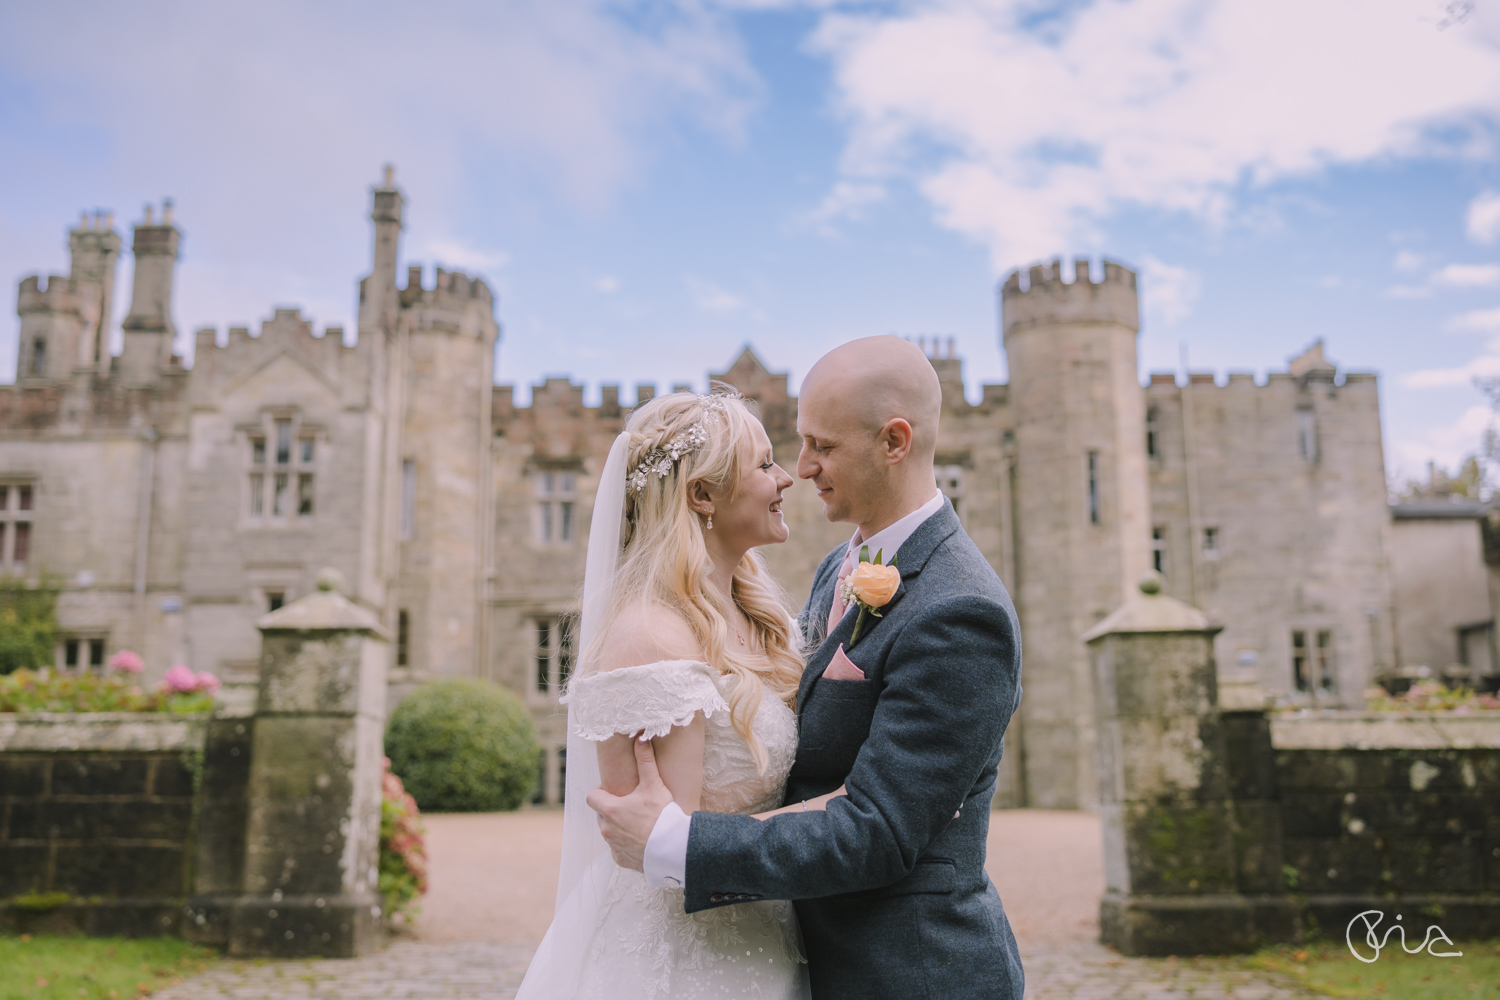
x,y
648,636
819,804
679,755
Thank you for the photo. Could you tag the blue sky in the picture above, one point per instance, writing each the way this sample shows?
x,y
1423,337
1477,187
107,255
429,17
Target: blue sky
x,y
650,186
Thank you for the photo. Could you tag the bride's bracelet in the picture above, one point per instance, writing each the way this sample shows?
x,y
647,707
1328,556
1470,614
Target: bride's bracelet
x,y
804,805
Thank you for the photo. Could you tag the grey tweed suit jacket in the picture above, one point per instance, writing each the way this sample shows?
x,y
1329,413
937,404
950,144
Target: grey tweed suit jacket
x,y
889,882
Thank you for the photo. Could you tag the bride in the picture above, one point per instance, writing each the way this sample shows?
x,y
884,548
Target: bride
x,y
687,641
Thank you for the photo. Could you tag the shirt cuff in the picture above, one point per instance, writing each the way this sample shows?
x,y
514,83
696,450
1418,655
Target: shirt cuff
x,y
666,850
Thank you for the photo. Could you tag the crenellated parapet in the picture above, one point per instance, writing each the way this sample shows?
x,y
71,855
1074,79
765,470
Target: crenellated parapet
x,y
1308,372
1040,297
55,294
286,333
456,303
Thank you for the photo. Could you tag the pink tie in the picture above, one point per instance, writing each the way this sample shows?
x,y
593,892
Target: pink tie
x,y
836,612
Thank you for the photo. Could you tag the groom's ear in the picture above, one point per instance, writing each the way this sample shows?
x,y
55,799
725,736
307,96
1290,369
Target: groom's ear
x,y
895,440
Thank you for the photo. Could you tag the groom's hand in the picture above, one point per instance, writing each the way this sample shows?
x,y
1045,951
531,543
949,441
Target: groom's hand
x,y
627,820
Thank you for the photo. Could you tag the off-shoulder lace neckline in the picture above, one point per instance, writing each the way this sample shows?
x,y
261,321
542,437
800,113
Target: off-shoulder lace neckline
x,y
641,666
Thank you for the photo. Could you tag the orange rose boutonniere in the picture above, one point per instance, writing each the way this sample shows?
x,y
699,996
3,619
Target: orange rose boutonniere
x,y
871,586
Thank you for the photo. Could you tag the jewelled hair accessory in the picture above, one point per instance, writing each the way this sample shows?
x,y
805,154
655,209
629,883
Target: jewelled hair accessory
x,y
660,460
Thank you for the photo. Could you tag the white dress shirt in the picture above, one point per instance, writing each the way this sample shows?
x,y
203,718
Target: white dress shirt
x,y
666,850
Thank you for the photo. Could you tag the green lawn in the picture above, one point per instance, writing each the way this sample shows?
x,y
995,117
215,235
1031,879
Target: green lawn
x,y
1395,975
50,968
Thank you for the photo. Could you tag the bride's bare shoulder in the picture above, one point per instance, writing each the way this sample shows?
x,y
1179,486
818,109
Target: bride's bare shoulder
x,y
647,633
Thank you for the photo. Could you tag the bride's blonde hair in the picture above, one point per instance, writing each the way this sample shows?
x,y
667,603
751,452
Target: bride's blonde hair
x,y
665,560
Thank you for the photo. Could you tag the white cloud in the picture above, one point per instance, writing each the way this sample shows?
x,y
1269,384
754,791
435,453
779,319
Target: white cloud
x,y
1481,320
1028,138
1483,218
710,297
456,254
1408,261
1468,276
1168,290
267,121
1484,366
1446,445
1409,292
847,200
607,284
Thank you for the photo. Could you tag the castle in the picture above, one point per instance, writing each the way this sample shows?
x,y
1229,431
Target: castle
x,y
176,505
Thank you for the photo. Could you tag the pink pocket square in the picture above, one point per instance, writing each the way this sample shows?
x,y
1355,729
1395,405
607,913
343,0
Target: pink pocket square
x,y
841,668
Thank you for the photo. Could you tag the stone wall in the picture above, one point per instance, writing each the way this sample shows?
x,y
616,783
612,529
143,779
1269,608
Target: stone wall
x,y
97,812
1394,812
1226,828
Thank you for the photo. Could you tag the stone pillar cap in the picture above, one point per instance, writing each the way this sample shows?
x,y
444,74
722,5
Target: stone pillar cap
x,y
1152,611
323,610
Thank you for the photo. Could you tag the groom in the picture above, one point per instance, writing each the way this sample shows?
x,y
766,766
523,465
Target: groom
x,y
889,882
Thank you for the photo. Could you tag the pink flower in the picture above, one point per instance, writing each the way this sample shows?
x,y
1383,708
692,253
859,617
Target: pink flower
x,y
127,661
180,679
208,683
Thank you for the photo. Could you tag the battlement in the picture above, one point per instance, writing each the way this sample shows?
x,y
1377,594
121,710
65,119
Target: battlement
x,y
58,294
456,303
1050,272
1324,374
286,327
450,289
1040,297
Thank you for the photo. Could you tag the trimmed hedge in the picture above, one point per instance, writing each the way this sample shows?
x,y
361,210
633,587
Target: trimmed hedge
x,y
463,745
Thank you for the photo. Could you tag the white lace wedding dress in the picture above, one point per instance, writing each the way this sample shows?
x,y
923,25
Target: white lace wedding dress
x,y
614,937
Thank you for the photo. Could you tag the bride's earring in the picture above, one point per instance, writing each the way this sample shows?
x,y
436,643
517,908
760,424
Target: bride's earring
x,y
710,522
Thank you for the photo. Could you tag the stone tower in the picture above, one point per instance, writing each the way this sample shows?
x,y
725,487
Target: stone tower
x,y
148,329
1082,505
445,492
65,323
433,351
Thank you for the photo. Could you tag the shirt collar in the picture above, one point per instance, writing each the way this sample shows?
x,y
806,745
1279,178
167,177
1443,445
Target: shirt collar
x,y
890,538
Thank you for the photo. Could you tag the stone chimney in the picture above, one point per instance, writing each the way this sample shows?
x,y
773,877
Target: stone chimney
x,y
148,329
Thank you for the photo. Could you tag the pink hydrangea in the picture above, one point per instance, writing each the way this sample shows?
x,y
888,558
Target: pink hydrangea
x,y
180,678
127,662
208,683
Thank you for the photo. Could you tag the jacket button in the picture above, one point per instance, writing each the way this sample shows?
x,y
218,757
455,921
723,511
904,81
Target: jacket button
x,y
717,897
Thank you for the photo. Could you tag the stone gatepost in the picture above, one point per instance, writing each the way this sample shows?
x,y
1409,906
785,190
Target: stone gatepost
x,y
312,835
1172,879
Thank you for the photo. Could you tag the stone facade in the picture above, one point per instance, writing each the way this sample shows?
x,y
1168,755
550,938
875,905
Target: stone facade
x,y
1443,618
175,506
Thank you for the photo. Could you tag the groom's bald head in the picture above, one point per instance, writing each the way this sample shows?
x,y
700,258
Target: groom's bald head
x,y
874,379
868,416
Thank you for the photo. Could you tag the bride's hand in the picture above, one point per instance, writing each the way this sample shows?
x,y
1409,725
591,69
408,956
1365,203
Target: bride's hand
x,y
819,804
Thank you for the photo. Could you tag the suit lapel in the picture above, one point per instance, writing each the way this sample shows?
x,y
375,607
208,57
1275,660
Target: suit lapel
x,y
911,557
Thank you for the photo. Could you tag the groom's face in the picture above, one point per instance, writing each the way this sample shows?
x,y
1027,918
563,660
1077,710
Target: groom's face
x,y
840,455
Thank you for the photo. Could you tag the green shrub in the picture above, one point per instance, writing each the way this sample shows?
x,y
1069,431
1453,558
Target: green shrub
x,y
28,626
463,746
